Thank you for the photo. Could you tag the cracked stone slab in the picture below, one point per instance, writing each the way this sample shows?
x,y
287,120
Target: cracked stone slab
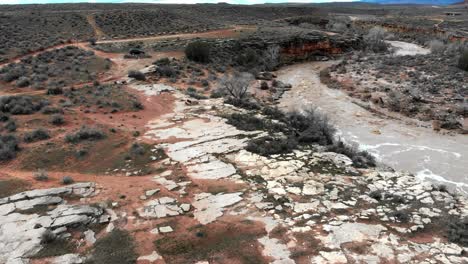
x,y
209,207
213,169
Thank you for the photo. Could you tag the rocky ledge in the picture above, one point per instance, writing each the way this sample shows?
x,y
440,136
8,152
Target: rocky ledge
x,y
28,218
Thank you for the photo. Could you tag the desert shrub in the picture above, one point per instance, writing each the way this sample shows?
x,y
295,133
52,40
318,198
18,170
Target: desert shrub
x,y
361,159
166,71
436,46
247,122
48,110
116,247
401,215
192,92
243,103
36,135
41,175
53,245
85,133
4,117
375,39
137,75
270,146
394,101
23,82
162,61
235,88
20,104
337,26
457,231
92,41
67,180
198,51
311,126
54,90
137,105
463,61
8,147
217,93
11,126
248,58
377,195
57,119
137,149
273,112
264,85
48,237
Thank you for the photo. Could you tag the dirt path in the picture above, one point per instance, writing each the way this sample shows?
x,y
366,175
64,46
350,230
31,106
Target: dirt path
x,y
97,31
400,143
221,33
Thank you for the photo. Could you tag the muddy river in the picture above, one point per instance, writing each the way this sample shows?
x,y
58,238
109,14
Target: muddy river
x,y
401,144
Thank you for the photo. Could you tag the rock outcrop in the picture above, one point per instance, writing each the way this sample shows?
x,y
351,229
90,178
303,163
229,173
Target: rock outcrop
x,y
26,216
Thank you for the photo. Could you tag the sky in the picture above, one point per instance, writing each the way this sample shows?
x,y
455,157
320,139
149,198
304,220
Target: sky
x,y
247,2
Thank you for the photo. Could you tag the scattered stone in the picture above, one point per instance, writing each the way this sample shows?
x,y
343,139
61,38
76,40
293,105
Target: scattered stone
x,y
209,207
166,229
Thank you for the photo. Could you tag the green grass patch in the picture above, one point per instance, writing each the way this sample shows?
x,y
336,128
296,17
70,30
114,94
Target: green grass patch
x,y
116,247
12,186
57,247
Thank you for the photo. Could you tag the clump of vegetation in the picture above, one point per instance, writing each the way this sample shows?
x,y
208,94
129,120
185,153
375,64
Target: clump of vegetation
x,y
311,126
198,51
23,82
166,71
11,186
48,237
85,133
247,122
137,149
53,246
116,247
270,146
162,61
436,46
57,119
361,159
375,39
8,147
20,104
104,96
274,113
55,69
463,61
377,195
41,175
458,231
11,126
67,180
192,92
49,110
137,75
36,135
248,58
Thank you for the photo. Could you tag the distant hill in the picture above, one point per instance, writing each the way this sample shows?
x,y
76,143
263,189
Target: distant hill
x,y
419,2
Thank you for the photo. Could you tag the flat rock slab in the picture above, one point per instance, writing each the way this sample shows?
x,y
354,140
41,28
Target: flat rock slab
x,y
213,169
353,232
276,250
209,207
162,207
